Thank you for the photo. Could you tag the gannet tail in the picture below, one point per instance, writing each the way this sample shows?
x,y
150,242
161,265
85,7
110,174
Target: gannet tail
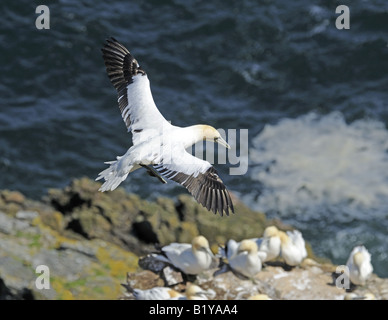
x,y
160,257
115,174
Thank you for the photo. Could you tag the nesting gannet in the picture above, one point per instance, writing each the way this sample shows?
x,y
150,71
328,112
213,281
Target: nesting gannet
x,y
270,243
244,257
158,146
189,258
354,296
193,292
359,264
156,293
293,249
259,296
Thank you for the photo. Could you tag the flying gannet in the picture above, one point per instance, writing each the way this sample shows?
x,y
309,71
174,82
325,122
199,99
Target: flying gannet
x,y
159,146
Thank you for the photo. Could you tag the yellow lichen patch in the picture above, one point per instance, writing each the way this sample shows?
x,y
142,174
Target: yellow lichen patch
x,y
102,285
116,260
58,239
112,291
86,288
53,219
102,254
58,286
67,295
188,232
118,268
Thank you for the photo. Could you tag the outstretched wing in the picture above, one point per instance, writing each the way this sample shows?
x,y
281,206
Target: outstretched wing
x,y
136,103
200,178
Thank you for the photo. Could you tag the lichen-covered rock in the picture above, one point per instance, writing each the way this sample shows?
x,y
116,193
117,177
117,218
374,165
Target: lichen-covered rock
x,y
307,282
244,223
91,240
11,201
124,219
78,269
12,196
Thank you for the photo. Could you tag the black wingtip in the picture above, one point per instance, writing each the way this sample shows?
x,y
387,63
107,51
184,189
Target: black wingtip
x,y
207,189
109,40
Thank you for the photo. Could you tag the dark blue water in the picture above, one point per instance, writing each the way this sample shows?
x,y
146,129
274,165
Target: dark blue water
x,y
313,98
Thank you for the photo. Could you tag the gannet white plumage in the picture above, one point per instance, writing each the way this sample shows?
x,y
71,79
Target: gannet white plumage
x,y
158,146
259,296
191,258
193,292
156,293
270,243
359,265
244,257
293,248
354,296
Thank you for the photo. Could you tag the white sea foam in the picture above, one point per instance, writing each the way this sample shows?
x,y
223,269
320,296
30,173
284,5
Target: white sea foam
x,y
321,161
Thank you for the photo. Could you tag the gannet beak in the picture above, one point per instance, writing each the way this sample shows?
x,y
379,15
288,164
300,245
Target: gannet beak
x,y
222,142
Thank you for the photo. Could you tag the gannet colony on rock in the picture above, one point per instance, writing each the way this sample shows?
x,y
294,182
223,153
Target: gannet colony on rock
x,y
159,146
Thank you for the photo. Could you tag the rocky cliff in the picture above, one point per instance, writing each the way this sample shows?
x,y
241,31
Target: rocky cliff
x,y
90,240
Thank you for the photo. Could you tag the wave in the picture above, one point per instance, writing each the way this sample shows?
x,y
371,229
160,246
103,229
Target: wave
x,y
314,163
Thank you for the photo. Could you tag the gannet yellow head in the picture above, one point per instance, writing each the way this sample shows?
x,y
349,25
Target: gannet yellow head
x,y
284,238
271,231
200,243
369,296
209,133
358,258
248,245
259,297
174,294
193,292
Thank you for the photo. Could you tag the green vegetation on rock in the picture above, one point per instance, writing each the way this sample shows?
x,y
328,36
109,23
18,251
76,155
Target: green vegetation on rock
x,y
90,240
